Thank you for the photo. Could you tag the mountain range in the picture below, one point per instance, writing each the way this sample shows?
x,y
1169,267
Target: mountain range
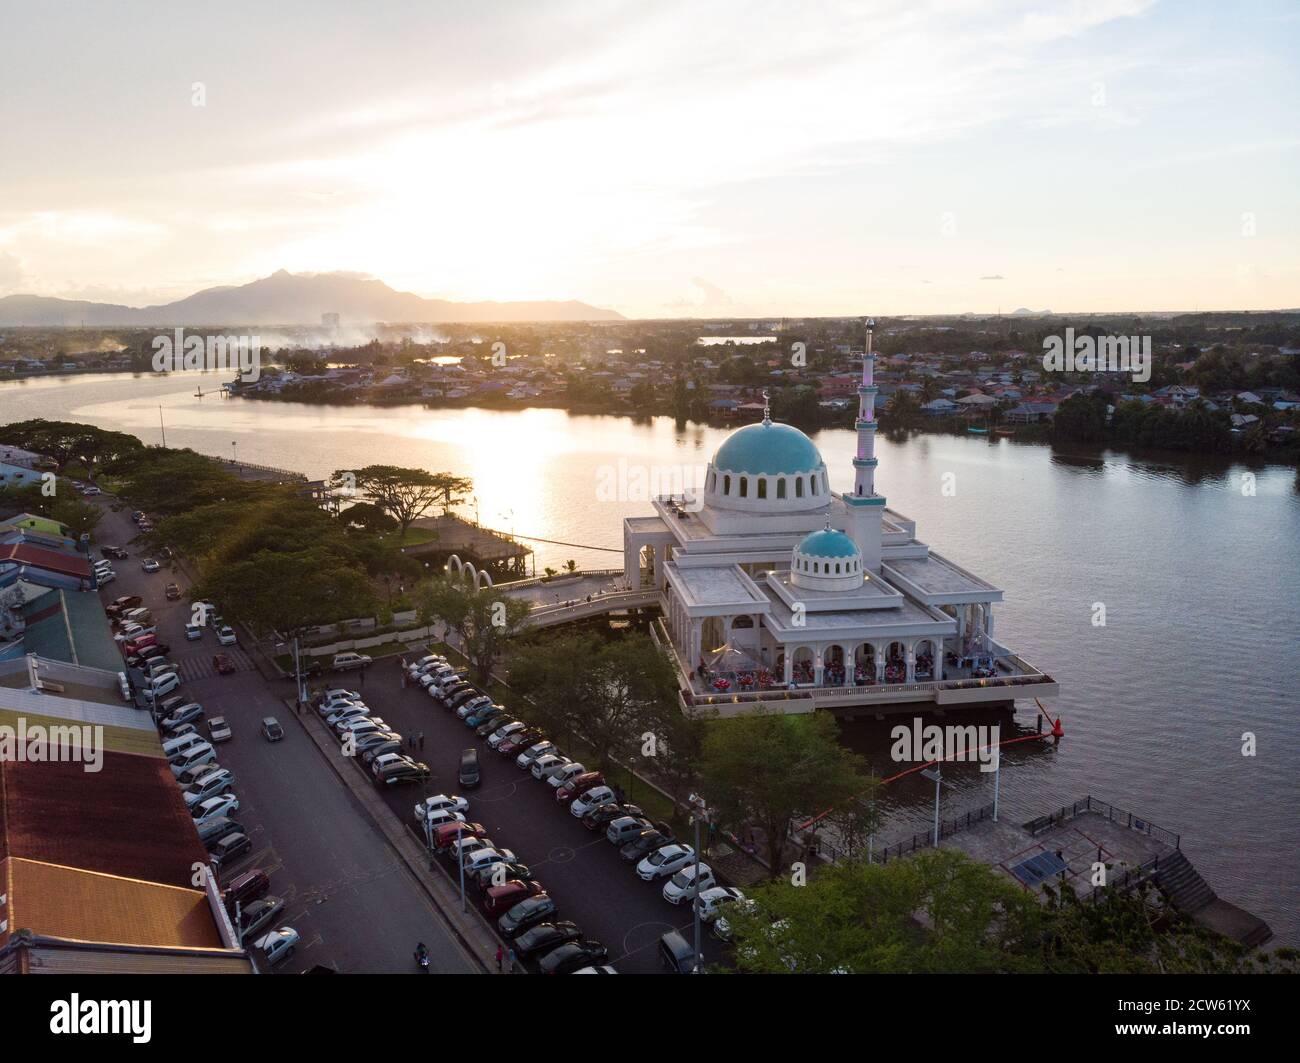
x,y
291,299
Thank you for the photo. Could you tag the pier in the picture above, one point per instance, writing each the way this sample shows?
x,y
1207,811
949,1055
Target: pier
x,y
488,549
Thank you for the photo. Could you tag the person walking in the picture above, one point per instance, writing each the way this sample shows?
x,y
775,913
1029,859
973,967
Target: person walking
x,y
501,955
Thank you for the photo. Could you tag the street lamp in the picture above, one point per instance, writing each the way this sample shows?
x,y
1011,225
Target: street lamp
x,y
699,810
234,452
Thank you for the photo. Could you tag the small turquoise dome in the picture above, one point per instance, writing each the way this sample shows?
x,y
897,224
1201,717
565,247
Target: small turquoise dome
x,y
827,543
767,449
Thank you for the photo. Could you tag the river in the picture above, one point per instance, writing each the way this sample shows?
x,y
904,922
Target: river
x,y
1200,581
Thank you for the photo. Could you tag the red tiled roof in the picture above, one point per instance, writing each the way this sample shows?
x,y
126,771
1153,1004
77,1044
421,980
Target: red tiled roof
x,y
39,557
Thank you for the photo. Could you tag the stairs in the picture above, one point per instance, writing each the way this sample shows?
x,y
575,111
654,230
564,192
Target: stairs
x,y
1178,880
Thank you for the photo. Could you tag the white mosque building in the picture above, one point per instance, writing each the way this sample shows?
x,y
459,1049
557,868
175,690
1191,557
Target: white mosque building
x,y
776,589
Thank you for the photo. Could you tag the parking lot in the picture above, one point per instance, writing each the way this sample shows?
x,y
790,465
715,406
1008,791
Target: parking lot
x,y
356,906
582,872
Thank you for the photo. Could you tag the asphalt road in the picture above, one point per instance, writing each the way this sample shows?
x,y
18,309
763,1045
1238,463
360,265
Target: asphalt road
x,y
590,883
355,904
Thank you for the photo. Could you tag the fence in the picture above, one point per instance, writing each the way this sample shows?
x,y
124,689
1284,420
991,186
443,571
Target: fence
x,y
1115,815
925,840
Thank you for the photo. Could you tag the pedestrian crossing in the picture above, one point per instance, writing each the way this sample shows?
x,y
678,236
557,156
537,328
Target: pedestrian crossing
x,y
199,665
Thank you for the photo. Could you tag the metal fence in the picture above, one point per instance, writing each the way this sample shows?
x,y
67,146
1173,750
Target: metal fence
x,y
1115,815
925,839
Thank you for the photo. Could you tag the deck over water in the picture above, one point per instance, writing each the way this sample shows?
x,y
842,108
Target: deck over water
x,y
470,541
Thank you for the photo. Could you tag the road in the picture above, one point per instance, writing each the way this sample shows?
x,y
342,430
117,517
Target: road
x,y
356,906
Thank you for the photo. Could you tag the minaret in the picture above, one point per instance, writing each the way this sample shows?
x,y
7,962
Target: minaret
x,y
866,509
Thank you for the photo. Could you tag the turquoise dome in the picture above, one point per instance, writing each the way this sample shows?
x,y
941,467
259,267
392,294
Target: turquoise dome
x,y
827,543
767,449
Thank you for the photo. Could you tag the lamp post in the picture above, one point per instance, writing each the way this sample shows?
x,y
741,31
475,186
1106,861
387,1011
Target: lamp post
x,y
234,452
698,811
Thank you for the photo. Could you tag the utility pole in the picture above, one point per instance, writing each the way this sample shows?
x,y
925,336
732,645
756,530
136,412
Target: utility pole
x,y
162,428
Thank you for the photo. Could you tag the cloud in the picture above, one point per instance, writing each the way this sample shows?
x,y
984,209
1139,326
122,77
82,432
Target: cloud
x,y
993,277
11,273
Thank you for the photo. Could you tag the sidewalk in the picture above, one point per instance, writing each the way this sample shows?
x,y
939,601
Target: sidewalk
x,y
474,934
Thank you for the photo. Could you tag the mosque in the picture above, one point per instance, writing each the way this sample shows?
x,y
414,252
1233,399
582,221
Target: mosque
x,y
776,589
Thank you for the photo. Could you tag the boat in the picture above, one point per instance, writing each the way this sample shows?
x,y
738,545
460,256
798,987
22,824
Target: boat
x,y
977,431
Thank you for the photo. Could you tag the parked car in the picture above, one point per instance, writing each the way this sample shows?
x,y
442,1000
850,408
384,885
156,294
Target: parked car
x,y
190,776
219,730
172,592
624,829
246,887
377,743
484,714
547,765
561,776
590,800
271,729
223,664
212,807
499,874
278,945
664,862
259,913
346,661
193,632
454,802
485,859
520,741
177,744
115,552
601,815
676,953
120,605
225,851
714,898
213,829
505,731
525,915
492,723
150,565
164,684
467,708
104,577
403,770
193,757
185,714
210,783
686,883
572,956
469,775
546,936
447,833
579,785
500,899
226,635
525,759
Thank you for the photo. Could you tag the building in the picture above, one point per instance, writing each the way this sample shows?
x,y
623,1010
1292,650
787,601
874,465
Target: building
x,y
774,588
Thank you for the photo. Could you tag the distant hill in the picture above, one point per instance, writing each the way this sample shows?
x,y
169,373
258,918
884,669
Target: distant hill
x,y
291,299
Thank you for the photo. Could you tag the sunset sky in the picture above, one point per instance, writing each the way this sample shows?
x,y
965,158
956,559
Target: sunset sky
x,y
663,159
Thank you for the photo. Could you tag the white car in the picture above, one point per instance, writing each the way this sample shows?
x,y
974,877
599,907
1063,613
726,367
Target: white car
x,y
341,692
278,944
541,749
150,565
107,576
226,636
351,711
473,705
683,885
193,632
350,660
453,803
502,733
547,765
714,898
439,816
459,850
665,861
485,858
594,798
212,807
562,775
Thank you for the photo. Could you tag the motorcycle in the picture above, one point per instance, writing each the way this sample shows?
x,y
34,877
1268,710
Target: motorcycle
x,y
422,959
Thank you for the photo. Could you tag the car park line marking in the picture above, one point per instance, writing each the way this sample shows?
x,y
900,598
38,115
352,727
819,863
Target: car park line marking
x,y
653,927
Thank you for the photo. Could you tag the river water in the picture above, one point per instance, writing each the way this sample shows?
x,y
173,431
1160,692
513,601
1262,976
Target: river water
x,y
1199,579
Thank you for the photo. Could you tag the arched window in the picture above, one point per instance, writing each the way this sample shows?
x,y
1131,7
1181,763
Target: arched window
x,y
812,482
744,487
815,566
726,485
798,487
837,568
762,487
780,487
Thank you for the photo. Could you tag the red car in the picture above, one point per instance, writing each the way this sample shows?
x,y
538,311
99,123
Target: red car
x,y
502,898
521,741
133,646
222,663
445,834
246,887
579,784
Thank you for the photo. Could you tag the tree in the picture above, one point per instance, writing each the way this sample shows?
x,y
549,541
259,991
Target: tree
x,y
485,619
766,768
405,495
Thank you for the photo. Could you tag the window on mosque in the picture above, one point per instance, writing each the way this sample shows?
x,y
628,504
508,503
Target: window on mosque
x,y
744,487
726,485
762,488
798,487
780,487
812,482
